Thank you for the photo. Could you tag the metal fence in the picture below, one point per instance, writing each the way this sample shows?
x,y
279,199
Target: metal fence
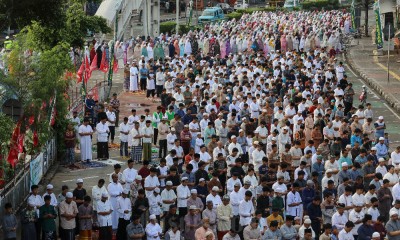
x,y
17,190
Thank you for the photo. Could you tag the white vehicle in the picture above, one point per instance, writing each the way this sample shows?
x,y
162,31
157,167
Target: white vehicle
x,y
240,5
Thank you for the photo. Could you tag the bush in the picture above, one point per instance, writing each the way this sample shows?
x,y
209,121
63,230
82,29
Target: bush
x,y
167,27
234,15
320,4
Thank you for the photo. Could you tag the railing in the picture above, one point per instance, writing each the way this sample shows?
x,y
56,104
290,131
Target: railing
x,y
126,10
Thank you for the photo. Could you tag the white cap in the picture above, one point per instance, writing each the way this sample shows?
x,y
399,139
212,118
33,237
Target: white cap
x,y
168,183
329,171
273,139
345,164
139,177
157,190
380,117
126,191
233,136
307,221
348,146
201,180
393,212
69,195
215,188
184,179
79,180
256,142
376,234
373,149
381,139
241,130
193,191
152,217
193,207
172,129
49,187
381,160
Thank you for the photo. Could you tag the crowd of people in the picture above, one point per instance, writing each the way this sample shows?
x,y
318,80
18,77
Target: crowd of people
x,y
258,137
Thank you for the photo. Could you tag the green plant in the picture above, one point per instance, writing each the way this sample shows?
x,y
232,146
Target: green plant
x,y
234,15
167,27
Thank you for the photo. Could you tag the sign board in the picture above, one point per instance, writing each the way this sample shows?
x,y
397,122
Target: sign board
x,y
36,169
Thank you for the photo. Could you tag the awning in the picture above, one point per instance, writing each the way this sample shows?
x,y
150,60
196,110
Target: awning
x,y
107,10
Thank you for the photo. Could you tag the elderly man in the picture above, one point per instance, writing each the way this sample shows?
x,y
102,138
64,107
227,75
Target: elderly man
x,y
251,231
214,197
192,222
153,229
211,214
205,232
224,216
195,200
68,212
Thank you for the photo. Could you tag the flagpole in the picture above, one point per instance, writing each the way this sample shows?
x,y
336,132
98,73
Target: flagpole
x,y
388,57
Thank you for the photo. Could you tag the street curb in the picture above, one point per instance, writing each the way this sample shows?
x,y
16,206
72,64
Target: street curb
x,y
372,83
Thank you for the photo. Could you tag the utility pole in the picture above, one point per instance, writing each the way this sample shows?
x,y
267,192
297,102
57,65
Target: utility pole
x,y
177,16
388,56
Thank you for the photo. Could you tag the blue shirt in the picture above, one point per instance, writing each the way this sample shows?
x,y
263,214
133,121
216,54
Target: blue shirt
x,y
381,150
355,138
361,160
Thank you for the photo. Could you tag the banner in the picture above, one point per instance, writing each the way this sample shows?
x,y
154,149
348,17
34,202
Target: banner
x,y
36,169
378,27
353,15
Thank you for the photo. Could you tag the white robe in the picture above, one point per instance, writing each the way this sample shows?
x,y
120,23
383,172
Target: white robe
x,y
86,142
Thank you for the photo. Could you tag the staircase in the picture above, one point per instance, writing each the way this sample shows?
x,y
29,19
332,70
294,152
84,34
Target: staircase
x,y
127,11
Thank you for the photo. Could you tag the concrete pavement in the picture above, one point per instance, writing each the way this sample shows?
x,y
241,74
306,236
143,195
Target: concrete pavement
x,y
362,58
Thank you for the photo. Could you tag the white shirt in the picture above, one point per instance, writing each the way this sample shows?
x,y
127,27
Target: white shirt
x,y
246,209
153,231
183,195
115,189
136,141
235,199
36,201
124,204
396,192
147,131
167,195
154,204
233,145
215,199
96,194
102,132
170,141
395,158
374,212
150,181
355,216
343,235
104,207
124,128
293,198
111,117
358,199
230,184
339,220
257,158
130,174
53,200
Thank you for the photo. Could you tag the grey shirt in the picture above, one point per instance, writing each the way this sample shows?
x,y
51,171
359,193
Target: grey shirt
x,y
392,226
9,222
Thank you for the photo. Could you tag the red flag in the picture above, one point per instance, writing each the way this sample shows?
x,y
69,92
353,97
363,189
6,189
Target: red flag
x,y
80,73
93,64
12,156
95,93
53,112
21,141
104,63
35,139
31,120
87,70
13,153
115,65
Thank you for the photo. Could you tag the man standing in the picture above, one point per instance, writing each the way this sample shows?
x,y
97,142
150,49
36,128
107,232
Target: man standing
x,y
147,139
163,130
136,154
115,190
48,214
183,194
36,201
157,116
123,136
224,215
124,208
114,103
153,229
85,133
103,130
85,215
210,213
135,230
68,212
385,198
104,210
111,120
